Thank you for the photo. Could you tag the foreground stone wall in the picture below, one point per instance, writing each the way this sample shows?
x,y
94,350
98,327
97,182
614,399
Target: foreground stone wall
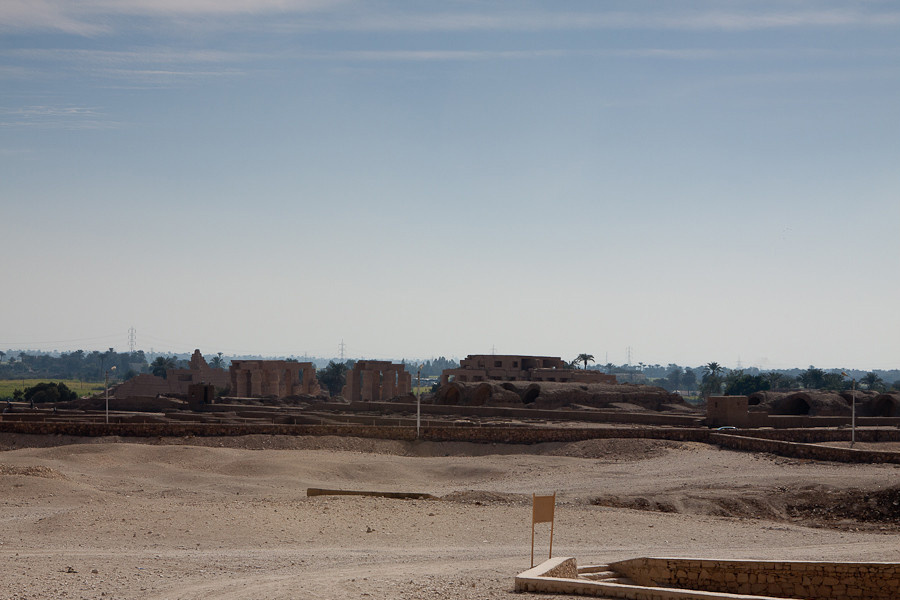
x,y
472,433
866,581
503,435
807,451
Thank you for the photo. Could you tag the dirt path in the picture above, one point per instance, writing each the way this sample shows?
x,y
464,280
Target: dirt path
x,y
227,520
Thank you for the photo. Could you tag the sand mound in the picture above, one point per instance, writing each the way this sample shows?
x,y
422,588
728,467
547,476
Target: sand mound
x,y
31,471
623,449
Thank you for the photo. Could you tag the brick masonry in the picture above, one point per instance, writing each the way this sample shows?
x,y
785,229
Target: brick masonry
x,y
740,440
866,581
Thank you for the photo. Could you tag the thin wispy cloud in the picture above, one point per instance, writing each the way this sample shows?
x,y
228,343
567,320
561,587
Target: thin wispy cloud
x,y
147,55
652,20
30,15
435,55
144,67
55,117
90,17
97,17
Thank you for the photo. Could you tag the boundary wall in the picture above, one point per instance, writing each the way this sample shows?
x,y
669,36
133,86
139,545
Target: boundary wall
x,y
501,435
563,576
804,451
741,441
783,579
586,416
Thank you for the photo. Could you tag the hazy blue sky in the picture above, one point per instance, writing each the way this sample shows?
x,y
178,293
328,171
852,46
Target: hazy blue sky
x,y
698,181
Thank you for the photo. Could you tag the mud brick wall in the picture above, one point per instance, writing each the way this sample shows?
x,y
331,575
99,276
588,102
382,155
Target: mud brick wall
x,y
472,433
816,435
505,435
806,451
863,581
593,416
183,429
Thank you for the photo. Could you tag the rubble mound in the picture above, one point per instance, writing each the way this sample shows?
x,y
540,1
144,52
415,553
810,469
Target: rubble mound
x,y
31,471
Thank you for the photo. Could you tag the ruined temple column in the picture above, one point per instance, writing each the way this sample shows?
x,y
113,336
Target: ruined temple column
x,y
388,383
370,386
288,381
306,379
405,385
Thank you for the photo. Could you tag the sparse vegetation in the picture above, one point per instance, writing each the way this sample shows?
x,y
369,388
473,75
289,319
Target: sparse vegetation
x,y
8,387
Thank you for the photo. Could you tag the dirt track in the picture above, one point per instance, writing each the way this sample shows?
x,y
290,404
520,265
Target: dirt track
x,y
230,519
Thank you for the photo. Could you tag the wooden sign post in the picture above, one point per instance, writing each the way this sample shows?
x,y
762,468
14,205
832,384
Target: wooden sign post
x,y
542,511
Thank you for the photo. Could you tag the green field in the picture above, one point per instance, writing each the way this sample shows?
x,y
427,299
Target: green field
x,y
8,386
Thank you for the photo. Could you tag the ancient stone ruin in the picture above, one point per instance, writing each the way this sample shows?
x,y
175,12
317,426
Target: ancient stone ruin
x,y
376,381
490,367
552,395
175,383
806,408
543,382
267,378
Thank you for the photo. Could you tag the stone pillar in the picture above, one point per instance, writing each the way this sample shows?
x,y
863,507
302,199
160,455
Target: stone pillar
x,y
370,386
405,387
255,377
389,383
309,377
288,381
351,386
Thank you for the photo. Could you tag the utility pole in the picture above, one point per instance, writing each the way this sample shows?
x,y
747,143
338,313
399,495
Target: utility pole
x,y
131,340
113,368
419,402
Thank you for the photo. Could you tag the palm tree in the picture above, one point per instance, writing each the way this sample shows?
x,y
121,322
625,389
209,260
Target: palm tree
x,y
333,377
217,361
873,382
584,358
711,384
714,369
161,365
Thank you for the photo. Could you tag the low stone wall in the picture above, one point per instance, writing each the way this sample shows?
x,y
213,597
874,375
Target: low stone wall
x,y
502,435
561,576
585,416
741,440
806,451
818,435
864,581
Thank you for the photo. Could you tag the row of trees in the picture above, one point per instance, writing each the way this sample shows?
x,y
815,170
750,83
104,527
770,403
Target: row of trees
x,y
86,366
718,380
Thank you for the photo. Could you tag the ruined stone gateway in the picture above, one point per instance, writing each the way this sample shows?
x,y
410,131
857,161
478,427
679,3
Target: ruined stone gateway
x,y
376,381
279,378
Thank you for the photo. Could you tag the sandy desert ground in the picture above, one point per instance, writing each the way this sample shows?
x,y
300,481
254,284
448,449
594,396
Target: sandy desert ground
x,y
229,517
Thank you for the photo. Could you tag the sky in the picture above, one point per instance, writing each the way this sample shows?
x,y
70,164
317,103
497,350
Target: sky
x,y
693,181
